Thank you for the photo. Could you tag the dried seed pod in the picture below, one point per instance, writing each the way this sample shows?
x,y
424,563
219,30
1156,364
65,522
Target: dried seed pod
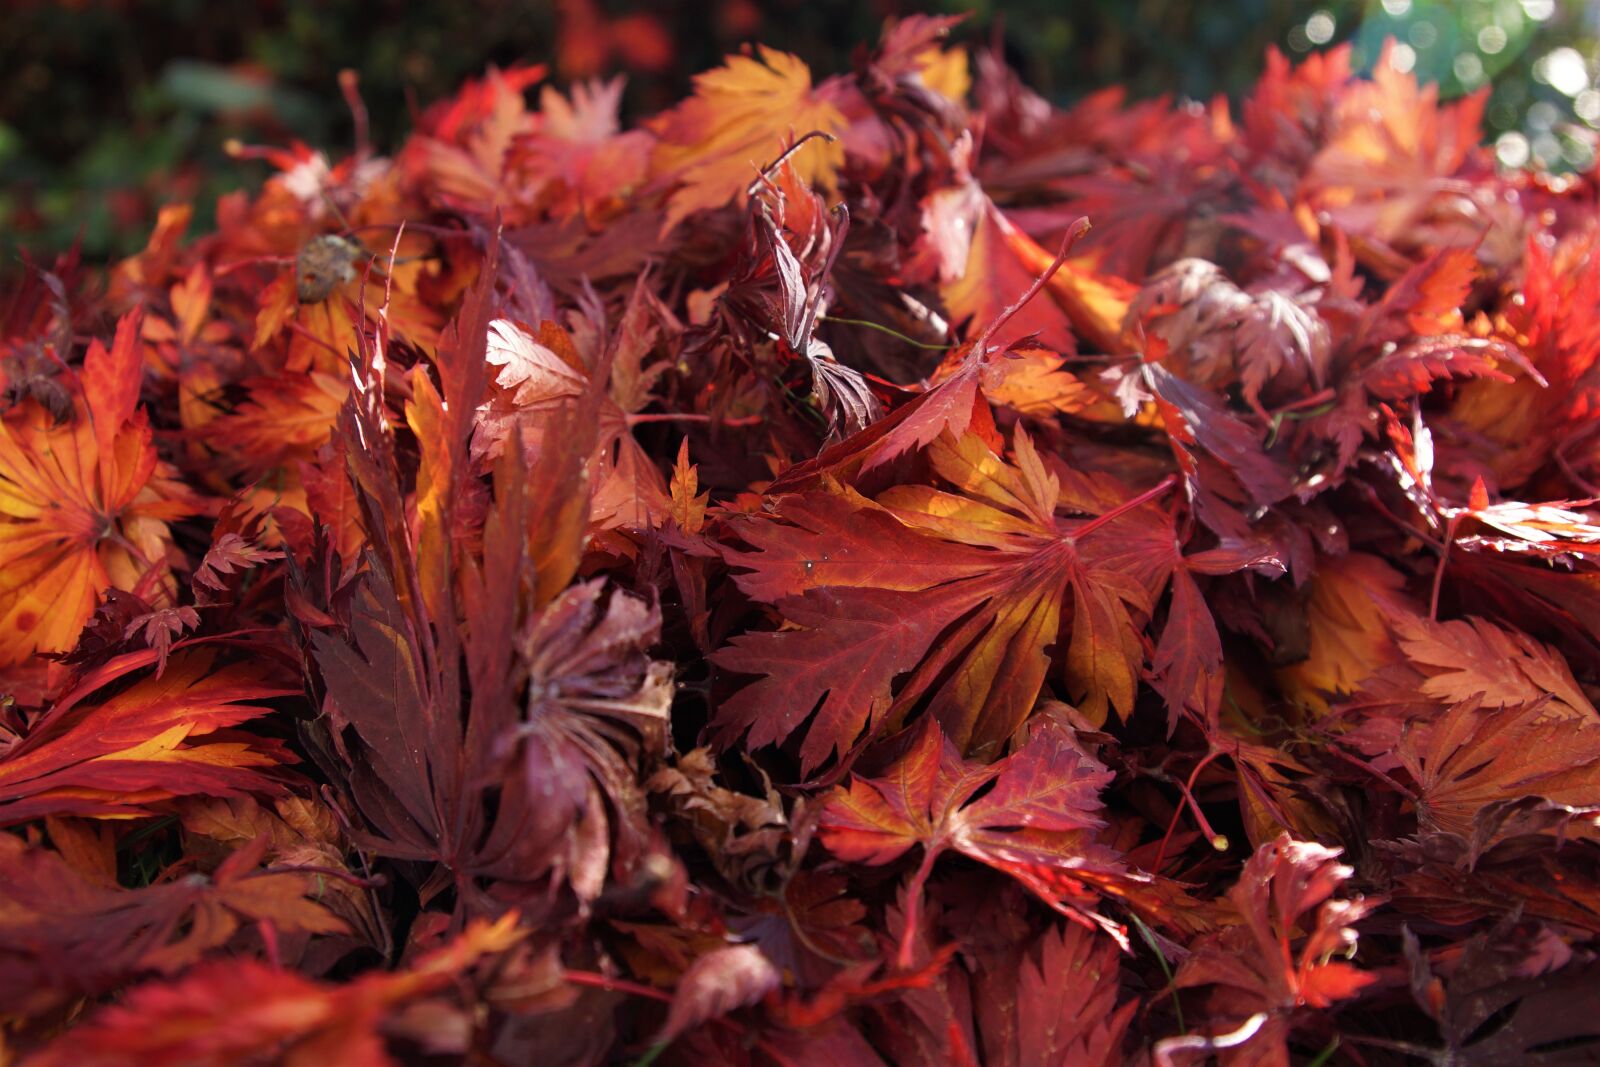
x,y
325,263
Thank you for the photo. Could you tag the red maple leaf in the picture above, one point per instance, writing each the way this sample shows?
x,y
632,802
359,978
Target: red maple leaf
x,y
1036,822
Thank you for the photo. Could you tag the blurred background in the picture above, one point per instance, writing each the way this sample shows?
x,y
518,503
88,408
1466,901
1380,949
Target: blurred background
x,y
109,108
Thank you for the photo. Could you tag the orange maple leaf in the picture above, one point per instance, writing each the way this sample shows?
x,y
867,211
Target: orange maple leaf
x,y
743,116
84,506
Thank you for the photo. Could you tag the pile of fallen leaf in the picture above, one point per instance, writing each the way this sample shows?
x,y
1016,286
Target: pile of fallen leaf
x,y
776,585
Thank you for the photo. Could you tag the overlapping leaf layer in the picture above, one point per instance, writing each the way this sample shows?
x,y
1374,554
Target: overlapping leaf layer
x,y
856,569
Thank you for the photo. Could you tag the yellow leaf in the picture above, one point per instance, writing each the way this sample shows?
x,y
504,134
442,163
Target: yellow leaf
x,y
742,117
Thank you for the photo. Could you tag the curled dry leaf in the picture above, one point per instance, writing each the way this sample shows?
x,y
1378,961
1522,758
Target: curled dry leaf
x,y
718,982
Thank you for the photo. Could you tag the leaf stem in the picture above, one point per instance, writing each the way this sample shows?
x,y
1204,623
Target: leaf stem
x,y
913,907
882,329
1438,572
1188,795
652,1054
1075,231
1387,779
1126,506
1166,968
616,985
1326,1054
1315,400
687,416
1219,842
374,882
787,152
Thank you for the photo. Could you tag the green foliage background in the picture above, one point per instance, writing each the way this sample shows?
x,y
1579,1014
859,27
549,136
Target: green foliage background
x,y
109,108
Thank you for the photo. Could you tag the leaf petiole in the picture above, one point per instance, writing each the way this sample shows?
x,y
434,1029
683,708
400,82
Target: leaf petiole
x,y
882,329
1326,1054
1166,968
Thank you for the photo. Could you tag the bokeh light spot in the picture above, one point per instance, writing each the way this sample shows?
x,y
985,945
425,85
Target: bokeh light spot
x,y
1539,10
1320,27
1468,68
1565,71
1511,149
1587,106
